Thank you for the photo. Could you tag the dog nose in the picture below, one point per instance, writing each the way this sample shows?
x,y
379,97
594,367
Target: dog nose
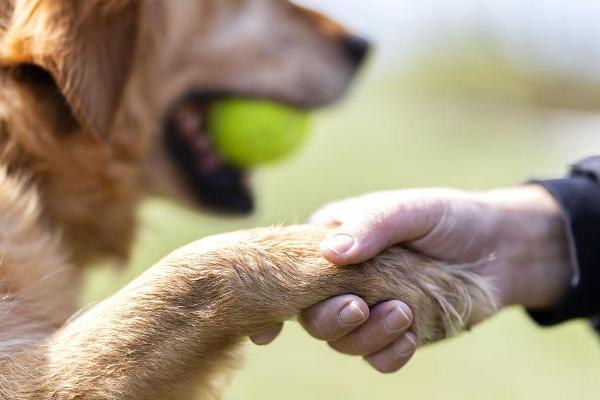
x,y
357,48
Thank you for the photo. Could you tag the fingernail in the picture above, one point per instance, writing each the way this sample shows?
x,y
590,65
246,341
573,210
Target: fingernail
x,y
339,244
407,344
351,314
396,319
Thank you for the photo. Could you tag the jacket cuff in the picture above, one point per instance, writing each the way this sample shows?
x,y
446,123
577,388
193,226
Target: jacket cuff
x,y
579,199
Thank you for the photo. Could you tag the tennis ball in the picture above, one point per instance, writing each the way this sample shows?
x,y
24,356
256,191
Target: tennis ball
x,y
252,132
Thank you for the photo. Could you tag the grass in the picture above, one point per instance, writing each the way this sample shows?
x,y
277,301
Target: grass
x,y
387,137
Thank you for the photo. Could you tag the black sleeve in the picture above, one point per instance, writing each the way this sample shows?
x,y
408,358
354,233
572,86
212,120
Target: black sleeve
x,y
579,198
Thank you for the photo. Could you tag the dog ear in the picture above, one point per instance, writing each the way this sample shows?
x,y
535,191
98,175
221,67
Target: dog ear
x,y
86,46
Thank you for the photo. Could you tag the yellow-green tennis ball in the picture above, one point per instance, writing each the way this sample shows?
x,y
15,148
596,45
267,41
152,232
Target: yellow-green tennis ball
x,y
251,132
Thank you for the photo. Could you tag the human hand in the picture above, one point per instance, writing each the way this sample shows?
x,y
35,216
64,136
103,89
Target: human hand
x,y
517,232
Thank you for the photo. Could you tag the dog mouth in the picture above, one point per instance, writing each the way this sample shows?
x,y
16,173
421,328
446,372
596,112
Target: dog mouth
x,y
215,183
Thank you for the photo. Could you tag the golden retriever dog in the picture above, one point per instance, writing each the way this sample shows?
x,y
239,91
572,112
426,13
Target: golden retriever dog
x,y
102,103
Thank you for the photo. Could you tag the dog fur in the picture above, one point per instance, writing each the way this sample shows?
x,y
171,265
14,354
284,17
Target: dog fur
x,y
84,88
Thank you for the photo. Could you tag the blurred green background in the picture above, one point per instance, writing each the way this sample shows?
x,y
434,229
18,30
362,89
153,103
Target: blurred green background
x,y
465,118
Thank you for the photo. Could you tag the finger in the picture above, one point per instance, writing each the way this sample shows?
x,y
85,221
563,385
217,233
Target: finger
x,y
395,356
323,218
360,239
325,215
388,322
267,336
335,317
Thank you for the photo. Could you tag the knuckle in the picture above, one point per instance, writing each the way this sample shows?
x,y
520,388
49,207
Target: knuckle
x,y
371,341
339,347
374,220
319,330
311,323
373,233
353,345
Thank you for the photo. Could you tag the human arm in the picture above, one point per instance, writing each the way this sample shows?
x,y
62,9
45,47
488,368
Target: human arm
x,y
517,234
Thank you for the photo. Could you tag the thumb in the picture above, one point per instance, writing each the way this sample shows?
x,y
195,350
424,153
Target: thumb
x,y
361,239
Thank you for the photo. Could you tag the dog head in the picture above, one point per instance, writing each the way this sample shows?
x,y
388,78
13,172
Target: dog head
x,y
105,100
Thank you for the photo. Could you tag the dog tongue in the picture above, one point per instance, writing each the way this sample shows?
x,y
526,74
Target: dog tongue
x,y
189,119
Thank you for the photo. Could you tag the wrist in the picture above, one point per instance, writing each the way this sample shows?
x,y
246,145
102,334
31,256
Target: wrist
x,y
531,261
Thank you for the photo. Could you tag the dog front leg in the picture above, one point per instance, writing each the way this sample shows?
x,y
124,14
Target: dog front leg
x,y
176,327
